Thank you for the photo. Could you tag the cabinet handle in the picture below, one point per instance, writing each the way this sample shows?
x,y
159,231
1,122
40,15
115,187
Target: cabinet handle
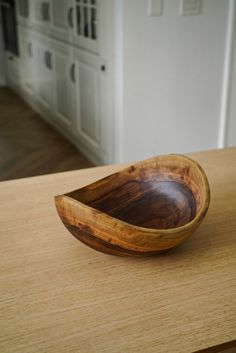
x,y
29,50
50,61
70,17
72,72
47,11
45,59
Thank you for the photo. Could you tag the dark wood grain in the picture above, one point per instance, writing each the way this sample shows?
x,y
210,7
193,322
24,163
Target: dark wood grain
x,y
86,236
161,204
145,209
28,145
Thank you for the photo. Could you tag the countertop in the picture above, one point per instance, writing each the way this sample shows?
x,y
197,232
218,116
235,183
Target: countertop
x,y
57,295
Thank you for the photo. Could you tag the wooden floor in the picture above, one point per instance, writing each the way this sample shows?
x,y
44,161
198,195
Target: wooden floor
x,y
28,145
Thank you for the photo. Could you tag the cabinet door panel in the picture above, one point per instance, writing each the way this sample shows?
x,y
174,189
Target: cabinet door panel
x,y
92,118
88,103
23,12
30,65
45,78
89,109
41,15
86,22
64,88
38,10
27,60
61,68
59,14
62,20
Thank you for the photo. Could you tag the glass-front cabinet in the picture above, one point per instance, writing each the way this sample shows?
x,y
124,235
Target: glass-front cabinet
x,y
72,21
86,27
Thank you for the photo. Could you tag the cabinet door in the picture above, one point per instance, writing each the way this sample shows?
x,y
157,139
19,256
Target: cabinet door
x,y
45,67
62,20
86,24
13,69
64,85
41,15
28,64
23,12
88,100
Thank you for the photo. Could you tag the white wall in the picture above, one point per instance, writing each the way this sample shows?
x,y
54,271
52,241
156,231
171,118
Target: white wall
x,y
173,72
2,72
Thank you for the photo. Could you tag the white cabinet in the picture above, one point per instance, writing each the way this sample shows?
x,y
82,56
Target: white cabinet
x,y
61,71
88,100
23,12
41,15
62,19
64,86
72,21
45,66
31,66
13,69
75,21
28,61
69,86
86,24
54,17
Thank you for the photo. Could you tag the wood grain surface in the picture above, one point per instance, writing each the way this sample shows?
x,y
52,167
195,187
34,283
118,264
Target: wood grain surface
x,y
57,295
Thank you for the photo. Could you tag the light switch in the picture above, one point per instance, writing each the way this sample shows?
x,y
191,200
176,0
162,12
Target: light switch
x,y
155,7
190,7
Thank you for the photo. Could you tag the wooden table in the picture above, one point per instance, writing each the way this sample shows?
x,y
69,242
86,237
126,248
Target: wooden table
x,y
57,295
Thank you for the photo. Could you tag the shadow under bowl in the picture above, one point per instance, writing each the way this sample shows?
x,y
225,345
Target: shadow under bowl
x,y
144,209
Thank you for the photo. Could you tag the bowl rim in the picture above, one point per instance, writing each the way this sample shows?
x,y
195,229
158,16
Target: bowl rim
x,y
155,231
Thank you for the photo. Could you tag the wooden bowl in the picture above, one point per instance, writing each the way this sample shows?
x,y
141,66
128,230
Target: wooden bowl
x,y
145,209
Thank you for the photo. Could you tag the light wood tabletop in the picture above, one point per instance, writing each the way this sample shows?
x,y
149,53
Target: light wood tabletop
x,y
58,295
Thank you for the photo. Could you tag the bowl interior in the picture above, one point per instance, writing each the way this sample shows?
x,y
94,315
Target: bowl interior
x,y
158,204
162,193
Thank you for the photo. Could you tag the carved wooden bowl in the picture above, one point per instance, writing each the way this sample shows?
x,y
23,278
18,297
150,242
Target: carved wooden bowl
x,y
145,209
